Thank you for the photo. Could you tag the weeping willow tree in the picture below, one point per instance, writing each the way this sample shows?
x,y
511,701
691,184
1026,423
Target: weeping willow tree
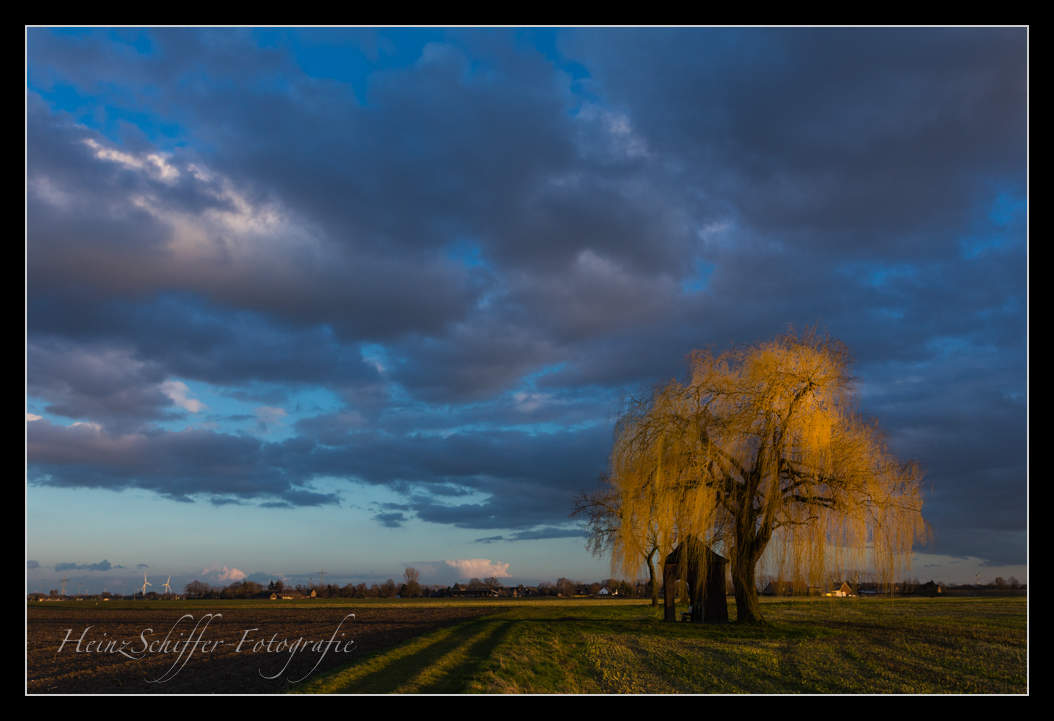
x,y
762,454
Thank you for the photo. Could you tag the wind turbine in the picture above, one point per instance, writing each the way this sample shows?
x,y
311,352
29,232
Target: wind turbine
x,y
145,584
168,586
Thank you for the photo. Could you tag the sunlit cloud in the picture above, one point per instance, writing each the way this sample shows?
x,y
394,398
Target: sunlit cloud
x,y
225,574
154,163
179,393
479,568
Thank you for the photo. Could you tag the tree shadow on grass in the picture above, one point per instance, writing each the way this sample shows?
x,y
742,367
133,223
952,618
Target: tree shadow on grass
x,y
457,678
444,666
683,630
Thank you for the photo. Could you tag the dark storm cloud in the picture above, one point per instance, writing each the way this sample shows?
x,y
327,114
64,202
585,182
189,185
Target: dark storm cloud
x,y
472,362
536,534
190,339
179,465
512,505
390,520
472,458
872,139
514,410
487,212
102,230
528,479
975,460
101,383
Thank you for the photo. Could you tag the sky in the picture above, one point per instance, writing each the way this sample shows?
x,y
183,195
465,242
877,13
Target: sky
x,y
351,300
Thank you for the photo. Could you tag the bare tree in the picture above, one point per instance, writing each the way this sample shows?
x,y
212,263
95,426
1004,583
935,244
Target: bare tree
x,y
565,587
601,511
763,444
412,588
197,589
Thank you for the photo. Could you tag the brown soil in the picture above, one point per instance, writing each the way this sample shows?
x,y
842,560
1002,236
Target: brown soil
x,y
211,668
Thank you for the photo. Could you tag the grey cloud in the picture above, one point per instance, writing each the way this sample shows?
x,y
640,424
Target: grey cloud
x,y
536,534
179,465
390,520
100,566
531,479
96,383
87,241
862,132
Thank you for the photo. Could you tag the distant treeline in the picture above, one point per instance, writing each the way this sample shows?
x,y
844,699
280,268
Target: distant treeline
x,y
907,587
475,588
563,587
409,588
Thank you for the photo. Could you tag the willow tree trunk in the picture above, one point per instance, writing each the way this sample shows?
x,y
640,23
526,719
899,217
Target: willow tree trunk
x,y
753,531
670,573
748,607
654,587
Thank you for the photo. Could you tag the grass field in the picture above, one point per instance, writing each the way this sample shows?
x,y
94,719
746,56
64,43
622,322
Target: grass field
x,y
960,645
939,645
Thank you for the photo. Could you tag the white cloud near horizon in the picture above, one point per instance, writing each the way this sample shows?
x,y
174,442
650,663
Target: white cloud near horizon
x,y
224,573
479,568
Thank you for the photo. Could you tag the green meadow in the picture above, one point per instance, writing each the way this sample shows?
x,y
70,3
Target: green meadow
x,y
874,646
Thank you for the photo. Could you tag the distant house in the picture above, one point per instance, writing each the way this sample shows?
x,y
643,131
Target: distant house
x,y
930,589
604,592
843,591
287,595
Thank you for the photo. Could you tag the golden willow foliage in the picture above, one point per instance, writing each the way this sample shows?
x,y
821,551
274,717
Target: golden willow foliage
x,y
761,453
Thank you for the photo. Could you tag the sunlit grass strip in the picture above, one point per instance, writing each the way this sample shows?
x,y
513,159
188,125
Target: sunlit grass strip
x,y
538,655
337,681
447,674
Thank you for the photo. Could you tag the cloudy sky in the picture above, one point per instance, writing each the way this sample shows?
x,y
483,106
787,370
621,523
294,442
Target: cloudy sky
x,y
355,300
